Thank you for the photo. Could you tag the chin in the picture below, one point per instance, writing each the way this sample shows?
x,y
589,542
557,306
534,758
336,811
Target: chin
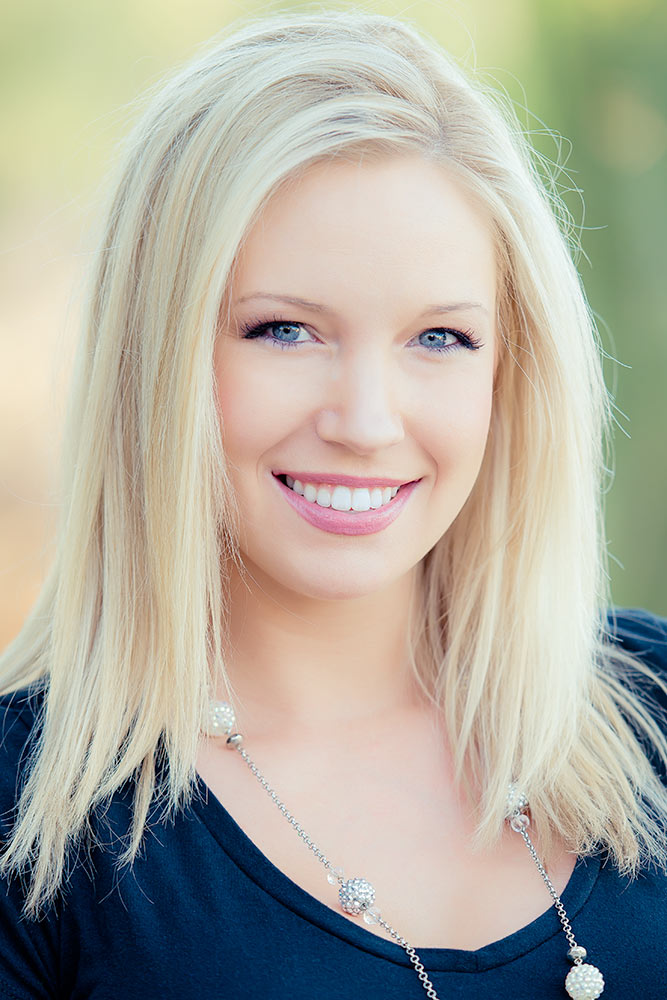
x,y
317,581
331,590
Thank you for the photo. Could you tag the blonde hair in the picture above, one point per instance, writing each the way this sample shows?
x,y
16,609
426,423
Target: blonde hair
x,y
127,638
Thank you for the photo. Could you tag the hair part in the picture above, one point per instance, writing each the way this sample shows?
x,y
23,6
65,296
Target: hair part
x,y
128,636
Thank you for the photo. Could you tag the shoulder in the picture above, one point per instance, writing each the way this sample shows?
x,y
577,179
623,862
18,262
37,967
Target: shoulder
x,y
20,719
28,949
20,708
642,634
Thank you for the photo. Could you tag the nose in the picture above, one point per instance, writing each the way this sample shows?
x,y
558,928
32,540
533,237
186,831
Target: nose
x,y
361,408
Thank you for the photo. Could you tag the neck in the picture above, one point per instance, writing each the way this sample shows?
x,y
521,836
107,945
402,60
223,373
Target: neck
x,y
312,664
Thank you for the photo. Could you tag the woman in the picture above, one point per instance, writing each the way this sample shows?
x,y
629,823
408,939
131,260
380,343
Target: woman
x,y
332,533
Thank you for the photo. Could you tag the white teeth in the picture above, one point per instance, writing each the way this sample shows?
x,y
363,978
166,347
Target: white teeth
x,y
343,498
376,497
360,500
323,498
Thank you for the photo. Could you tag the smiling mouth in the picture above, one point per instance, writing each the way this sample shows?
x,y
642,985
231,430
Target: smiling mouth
x,y
343,498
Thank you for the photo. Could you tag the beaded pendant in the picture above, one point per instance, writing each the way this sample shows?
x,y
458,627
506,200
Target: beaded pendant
x,y
583,982
357,895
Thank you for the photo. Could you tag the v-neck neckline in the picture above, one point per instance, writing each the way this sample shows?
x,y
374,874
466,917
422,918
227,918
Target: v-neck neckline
x,y
245,854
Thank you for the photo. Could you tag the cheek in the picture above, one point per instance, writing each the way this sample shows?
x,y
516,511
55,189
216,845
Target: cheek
x,y
255,406
240,410
455,423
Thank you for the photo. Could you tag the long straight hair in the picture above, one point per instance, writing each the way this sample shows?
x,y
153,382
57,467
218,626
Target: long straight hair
x,y
128,637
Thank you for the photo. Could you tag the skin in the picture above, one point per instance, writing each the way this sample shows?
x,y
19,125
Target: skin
x,y
318,624
374,244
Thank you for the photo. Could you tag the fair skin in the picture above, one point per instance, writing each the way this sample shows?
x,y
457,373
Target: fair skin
x,y
394,261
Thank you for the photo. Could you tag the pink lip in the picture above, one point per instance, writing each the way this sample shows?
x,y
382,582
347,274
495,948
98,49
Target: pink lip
x,y
340,522
328,477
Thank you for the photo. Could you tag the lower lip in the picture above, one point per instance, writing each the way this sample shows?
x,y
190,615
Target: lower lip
x,y
350,522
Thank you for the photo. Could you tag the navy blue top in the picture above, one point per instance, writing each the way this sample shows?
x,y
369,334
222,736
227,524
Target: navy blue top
x,y
204,913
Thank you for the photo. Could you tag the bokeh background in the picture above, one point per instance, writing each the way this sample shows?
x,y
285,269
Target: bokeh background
x,y
589,78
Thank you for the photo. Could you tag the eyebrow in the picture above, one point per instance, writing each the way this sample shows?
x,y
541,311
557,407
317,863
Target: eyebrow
x,y
293,300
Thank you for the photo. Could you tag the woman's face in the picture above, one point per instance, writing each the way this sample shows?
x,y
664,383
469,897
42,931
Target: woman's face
x,y
358,357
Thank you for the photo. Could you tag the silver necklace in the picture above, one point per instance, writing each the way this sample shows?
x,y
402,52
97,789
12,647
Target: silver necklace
x,y
357,895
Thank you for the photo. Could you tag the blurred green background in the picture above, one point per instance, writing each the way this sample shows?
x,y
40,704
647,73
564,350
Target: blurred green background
x,y
591,71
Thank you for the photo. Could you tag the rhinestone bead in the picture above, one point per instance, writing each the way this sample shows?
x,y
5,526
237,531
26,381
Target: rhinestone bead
x,y
356,895
516,800
584,982
221,719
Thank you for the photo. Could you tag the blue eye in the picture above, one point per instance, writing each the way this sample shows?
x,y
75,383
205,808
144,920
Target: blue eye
x,y
436,339
277,332
433,338
285,334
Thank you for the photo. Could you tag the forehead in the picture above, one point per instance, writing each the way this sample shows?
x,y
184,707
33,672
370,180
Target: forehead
x,y
398,227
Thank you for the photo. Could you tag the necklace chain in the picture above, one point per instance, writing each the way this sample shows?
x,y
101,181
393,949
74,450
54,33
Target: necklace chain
x,y
335,873
583,982
558,905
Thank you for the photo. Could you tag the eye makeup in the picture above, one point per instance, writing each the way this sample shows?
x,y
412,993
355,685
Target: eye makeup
x,y
265,330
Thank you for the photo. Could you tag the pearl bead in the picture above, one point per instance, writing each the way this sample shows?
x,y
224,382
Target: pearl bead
x,y
584,982
221,720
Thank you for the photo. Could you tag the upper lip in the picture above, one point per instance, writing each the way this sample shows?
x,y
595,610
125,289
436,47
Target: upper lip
x,y
336,480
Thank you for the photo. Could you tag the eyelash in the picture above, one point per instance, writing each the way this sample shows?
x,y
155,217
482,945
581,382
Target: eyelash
x,y
254,330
